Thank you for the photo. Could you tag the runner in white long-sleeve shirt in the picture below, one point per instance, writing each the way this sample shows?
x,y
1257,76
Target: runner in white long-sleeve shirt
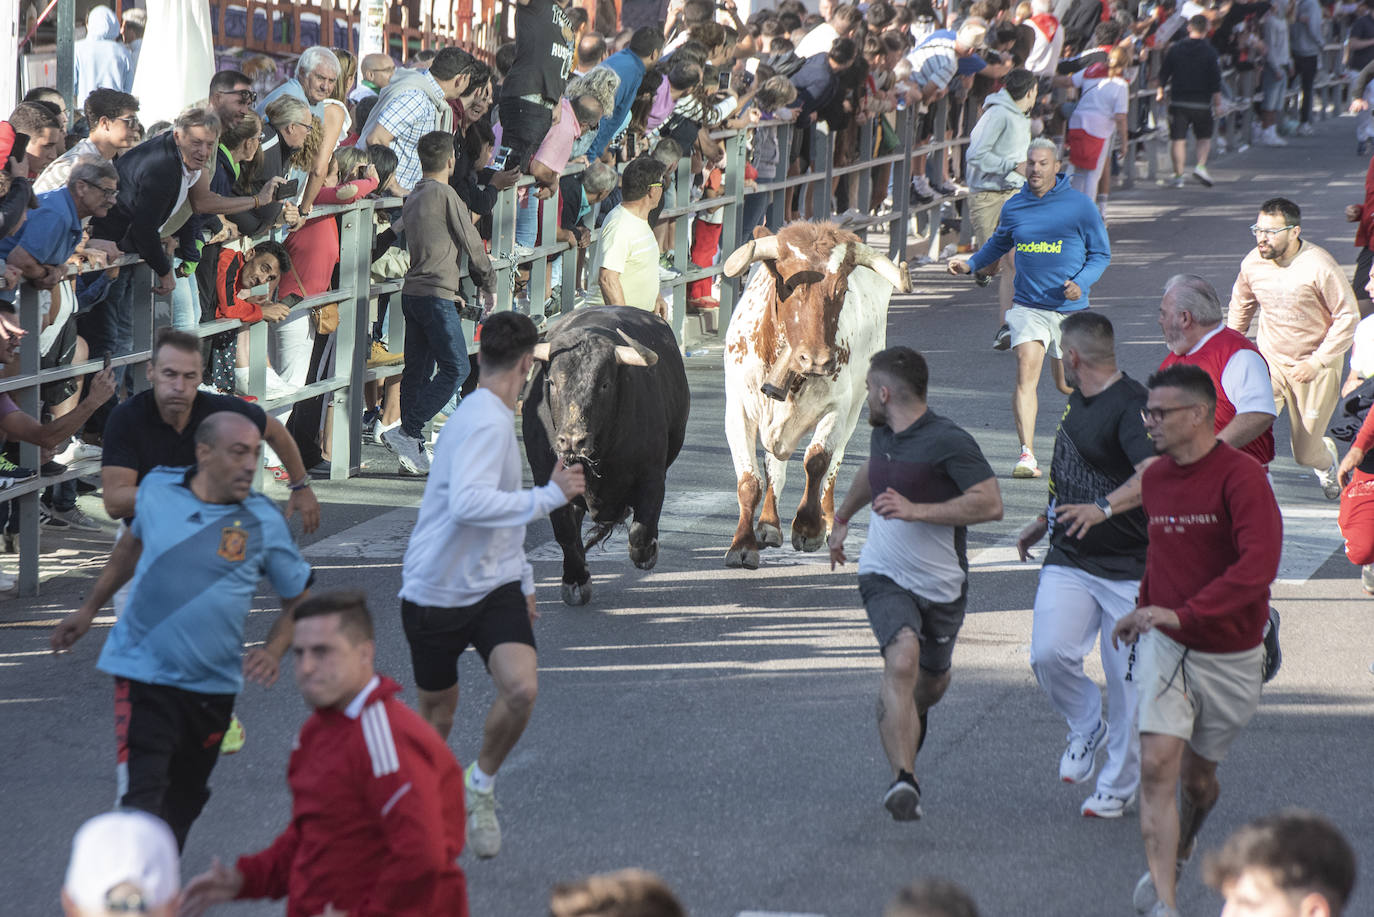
x,y
465,580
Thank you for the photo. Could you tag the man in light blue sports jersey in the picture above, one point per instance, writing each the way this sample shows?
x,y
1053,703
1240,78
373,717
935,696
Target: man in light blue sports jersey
x,y
1061,251
200,540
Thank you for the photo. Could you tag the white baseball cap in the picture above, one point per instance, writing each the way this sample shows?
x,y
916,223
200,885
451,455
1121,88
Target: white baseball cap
x,y
119,848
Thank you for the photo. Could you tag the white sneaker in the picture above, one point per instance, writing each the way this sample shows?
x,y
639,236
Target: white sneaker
x,y
78,519
1026,466
1270,137
1104,805
667,274
1306,130
1080,757
77,451
1329,480
7,581
410,451
1201,174
484,831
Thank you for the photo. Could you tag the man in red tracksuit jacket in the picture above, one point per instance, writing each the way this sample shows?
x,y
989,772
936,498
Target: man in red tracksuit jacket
x,y
377,815
1215,540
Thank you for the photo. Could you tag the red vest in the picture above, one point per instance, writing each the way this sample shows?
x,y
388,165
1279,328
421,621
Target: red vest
x,y
1212,359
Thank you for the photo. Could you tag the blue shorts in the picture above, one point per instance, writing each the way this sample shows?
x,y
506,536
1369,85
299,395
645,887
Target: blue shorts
x,y
1272,86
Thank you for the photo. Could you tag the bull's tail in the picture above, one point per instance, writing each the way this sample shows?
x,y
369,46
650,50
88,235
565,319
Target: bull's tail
x,y
600,532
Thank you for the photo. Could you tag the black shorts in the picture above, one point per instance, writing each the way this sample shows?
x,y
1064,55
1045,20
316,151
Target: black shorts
x,y
438,636
524,126
1362,263
1199,119
891,607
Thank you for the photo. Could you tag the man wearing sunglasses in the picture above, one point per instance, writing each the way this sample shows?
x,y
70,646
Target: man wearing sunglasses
x,y
1215,536
113,117
1307,319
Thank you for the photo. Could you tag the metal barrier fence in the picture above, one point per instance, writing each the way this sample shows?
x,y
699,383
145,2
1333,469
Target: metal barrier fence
x,y
357,290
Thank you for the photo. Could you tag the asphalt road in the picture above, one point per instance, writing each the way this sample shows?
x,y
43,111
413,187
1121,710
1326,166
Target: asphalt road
x,y
717,725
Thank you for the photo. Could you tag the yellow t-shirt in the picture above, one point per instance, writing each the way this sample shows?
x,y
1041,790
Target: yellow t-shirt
x,y
629,248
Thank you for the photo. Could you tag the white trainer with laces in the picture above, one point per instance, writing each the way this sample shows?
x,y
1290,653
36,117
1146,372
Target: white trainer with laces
x,y
1026,466
1080,757
1329,479
1104,805
410,451
484,831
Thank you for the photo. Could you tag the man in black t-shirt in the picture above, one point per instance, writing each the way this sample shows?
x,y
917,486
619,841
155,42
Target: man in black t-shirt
x,y
530,92
1092,573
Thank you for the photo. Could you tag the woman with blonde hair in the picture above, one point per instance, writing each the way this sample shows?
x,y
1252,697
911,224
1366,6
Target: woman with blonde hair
x,y
1099,117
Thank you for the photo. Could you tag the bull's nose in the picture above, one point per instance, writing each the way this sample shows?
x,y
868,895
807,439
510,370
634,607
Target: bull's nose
x,y
813,363
571,444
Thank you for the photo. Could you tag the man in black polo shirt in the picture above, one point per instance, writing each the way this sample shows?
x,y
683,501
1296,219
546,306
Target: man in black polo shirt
x,y
928,481
1097,555
158,427
530,92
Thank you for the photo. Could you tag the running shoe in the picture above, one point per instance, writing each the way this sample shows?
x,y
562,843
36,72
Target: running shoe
x,y
77,451
1329,480
1002,339
1146,899
1105,805
51,469
1367,578
1201,174
667,274
903,800
1026,466
1273,655
1080,757
484,831
234,737
78,519
1306,130
12,474
409,450
48,520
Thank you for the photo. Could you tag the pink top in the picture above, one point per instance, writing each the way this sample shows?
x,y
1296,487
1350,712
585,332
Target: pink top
x,y
314,248
556,149
662,106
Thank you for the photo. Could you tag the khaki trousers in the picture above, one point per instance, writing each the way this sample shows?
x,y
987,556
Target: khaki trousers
x,y
1310,405
985,207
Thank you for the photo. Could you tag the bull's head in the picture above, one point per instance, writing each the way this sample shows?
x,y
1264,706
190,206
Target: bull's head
x,y
582,384
810,264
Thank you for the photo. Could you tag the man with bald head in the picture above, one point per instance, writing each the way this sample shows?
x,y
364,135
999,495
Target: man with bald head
x,y
376,71
200,541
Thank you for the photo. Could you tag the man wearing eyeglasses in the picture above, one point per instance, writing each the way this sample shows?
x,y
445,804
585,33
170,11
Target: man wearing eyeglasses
x,y
231,96
1215,537
1307,319
113,117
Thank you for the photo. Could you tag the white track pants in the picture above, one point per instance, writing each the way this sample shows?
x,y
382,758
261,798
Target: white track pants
x,y
1073,611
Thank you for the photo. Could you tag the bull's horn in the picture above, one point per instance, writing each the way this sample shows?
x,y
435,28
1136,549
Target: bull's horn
x,y
541,352
883,267
633,353
765,249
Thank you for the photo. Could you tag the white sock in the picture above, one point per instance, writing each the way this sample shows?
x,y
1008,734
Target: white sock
x,y
481,782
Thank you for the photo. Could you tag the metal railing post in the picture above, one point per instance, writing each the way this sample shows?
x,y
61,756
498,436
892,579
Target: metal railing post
x,y
350,357
823,149
736,155
682,262
502,246
29,454
934,214
775,213
863,193
901,188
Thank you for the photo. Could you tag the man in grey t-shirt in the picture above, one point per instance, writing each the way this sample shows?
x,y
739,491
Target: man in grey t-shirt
x,y
928,481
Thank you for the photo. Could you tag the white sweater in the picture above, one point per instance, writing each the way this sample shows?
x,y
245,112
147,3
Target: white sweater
x,y
470,536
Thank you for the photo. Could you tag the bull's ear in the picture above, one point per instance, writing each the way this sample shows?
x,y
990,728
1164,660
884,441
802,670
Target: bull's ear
x,y
541,352
633,353
626,355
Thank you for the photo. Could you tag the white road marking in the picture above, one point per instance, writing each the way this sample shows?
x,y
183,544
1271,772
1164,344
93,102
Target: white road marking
x,y
1310,537
382,537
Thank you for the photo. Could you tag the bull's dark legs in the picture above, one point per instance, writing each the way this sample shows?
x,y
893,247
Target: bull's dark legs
x,y
648,505
744,549
808,526
567,528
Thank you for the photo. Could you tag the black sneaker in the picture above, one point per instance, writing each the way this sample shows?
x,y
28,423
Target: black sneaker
x,y
1273,655
1002,339
903,800
12,474
52,469
47,519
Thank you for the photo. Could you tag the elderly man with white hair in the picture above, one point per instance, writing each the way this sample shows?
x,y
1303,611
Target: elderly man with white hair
x,y
317,70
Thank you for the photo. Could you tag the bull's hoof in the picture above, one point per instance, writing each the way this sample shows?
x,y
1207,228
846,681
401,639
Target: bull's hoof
x,y
807,543
576,594
645,557
769,536
748,558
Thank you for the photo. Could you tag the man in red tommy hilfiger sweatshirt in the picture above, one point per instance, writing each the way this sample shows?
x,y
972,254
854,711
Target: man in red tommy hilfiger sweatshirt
x,y
377,815
1215,537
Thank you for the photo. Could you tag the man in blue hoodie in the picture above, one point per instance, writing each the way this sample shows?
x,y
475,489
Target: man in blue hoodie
x,y
101,59
1061,250
630,64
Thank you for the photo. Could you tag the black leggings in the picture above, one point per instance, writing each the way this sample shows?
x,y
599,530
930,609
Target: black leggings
x,y
1307,72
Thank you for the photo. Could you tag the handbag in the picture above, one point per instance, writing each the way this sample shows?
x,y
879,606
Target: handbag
x,y
324,319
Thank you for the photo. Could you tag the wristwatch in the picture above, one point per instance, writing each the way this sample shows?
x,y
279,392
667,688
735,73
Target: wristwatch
x,y
1105,505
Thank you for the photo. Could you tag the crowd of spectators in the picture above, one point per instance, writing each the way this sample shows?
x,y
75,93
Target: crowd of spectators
x,y
616,124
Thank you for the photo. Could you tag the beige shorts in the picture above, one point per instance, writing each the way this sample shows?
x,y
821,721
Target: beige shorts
x,y
1041,325
985,209
1203,698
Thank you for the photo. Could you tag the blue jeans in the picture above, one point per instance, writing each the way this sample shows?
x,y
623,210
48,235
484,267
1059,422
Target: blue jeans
x,y
185,304
436,359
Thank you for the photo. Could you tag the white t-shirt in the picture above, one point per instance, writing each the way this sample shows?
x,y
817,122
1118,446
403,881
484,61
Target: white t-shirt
x,y
1101,102
1362,353
817,41
628,247
1245,380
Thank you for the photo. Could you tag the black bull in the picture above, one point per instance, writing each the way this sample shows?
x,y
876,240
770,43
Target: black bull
x,y
609,391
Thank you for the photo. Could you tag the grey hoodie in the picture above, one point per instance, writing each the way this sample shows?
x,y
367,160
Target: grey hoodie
x,y
998,145
102,60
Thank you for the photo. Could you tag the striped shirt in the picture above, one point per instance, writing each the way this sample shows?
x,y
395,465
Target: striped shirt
x,y
935,60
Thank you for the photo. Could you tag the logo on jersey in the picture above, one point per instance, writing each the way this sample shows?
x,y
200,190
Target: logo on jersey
x,y
233,543
1041,248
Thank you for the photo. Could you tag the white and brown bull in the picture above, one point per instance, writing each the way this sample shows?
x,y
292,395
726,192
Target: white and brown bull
x,y
811,317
